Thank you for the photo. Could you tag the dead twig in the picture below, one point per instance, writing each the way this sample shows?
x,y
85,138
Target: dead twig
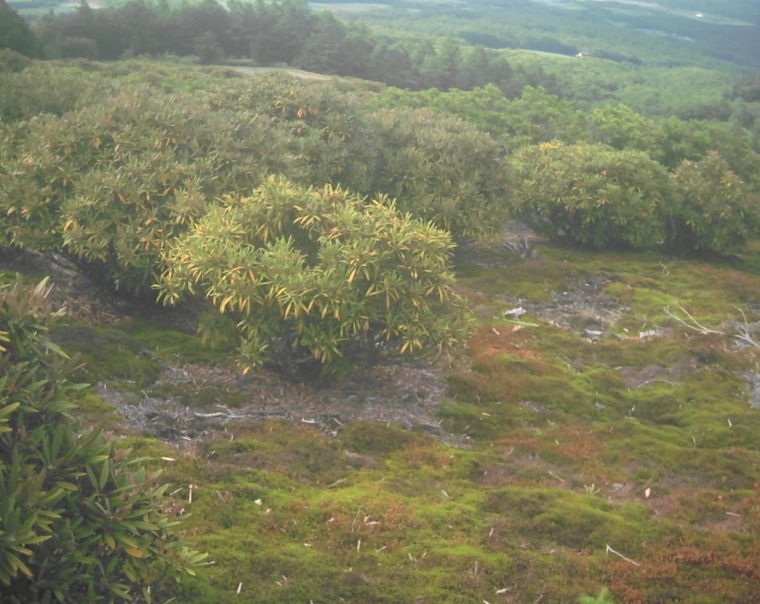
x,y
744,329
356,517
618,554
690,322
523,323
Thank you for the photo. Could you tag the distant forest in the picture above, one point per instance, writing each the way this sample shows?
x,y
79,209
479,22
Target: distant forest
x,y
272,34
375,45
668,33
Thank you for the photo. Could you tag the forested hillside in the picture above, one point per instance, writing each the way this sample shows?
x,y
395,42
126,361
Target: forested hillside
x,y
665,80
434,323
16,34
669,32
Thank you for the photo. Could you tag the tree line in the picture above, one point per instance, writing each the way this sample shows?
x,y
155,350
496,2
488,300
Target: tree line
x,y
15,33
285,32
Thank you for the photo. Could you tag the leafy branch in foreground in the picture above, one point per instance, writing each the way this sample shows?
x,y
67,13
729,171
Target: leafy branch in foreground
x,y
320,275
79,520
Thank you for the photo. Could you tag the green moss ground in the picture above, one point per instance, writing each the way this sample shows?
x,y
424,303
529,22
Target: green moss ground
x,y
566,447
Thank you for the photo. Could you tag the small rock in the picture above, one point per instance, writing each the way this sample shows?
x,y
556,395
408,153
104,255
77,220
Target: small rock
x,y
649,333
518,311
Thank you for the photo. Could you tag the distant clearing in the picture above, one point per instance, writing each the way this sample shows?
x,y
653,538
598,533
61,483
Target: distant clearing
x,y
687,14
522,53
296,73
354,7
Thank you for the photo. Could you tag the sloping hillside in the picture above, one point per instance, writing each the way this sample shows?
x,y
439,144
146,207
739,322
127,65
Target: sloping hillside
x,y
602,438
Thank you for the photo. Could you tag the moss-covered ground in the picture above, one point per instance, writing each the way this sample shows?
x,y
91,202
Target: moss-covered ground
x,y
593,442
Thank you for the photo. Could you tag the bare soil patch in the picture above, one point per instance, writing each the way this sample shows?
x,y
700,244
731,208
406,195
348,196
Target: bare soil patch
x,y
406,394
296,73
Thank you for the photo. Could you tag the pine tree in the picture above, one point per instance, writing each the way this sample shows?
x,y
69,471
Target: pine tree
x,y
15,33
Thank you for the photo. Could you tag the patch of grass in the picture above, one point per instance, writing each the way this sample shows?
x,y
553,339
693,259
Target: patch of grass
x,y
109,353
172,345
469,420
94,411
575,520
712,568
199,396
374,438
133,351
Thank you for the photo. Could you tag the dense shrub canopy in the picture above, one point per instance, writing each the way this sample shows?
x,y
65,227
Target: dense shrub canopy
x,y
591,194
116,164
114,174
712,211
441,169
320,273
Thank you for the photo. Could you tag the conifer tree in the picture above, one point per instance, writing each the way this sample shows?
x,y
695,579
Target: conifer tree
x,y
15,33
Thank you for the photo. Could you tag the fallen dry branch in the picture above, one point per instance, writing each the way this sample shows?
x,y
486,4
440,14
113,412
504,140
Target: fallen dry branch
x,y
690,322
619,555
744,329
